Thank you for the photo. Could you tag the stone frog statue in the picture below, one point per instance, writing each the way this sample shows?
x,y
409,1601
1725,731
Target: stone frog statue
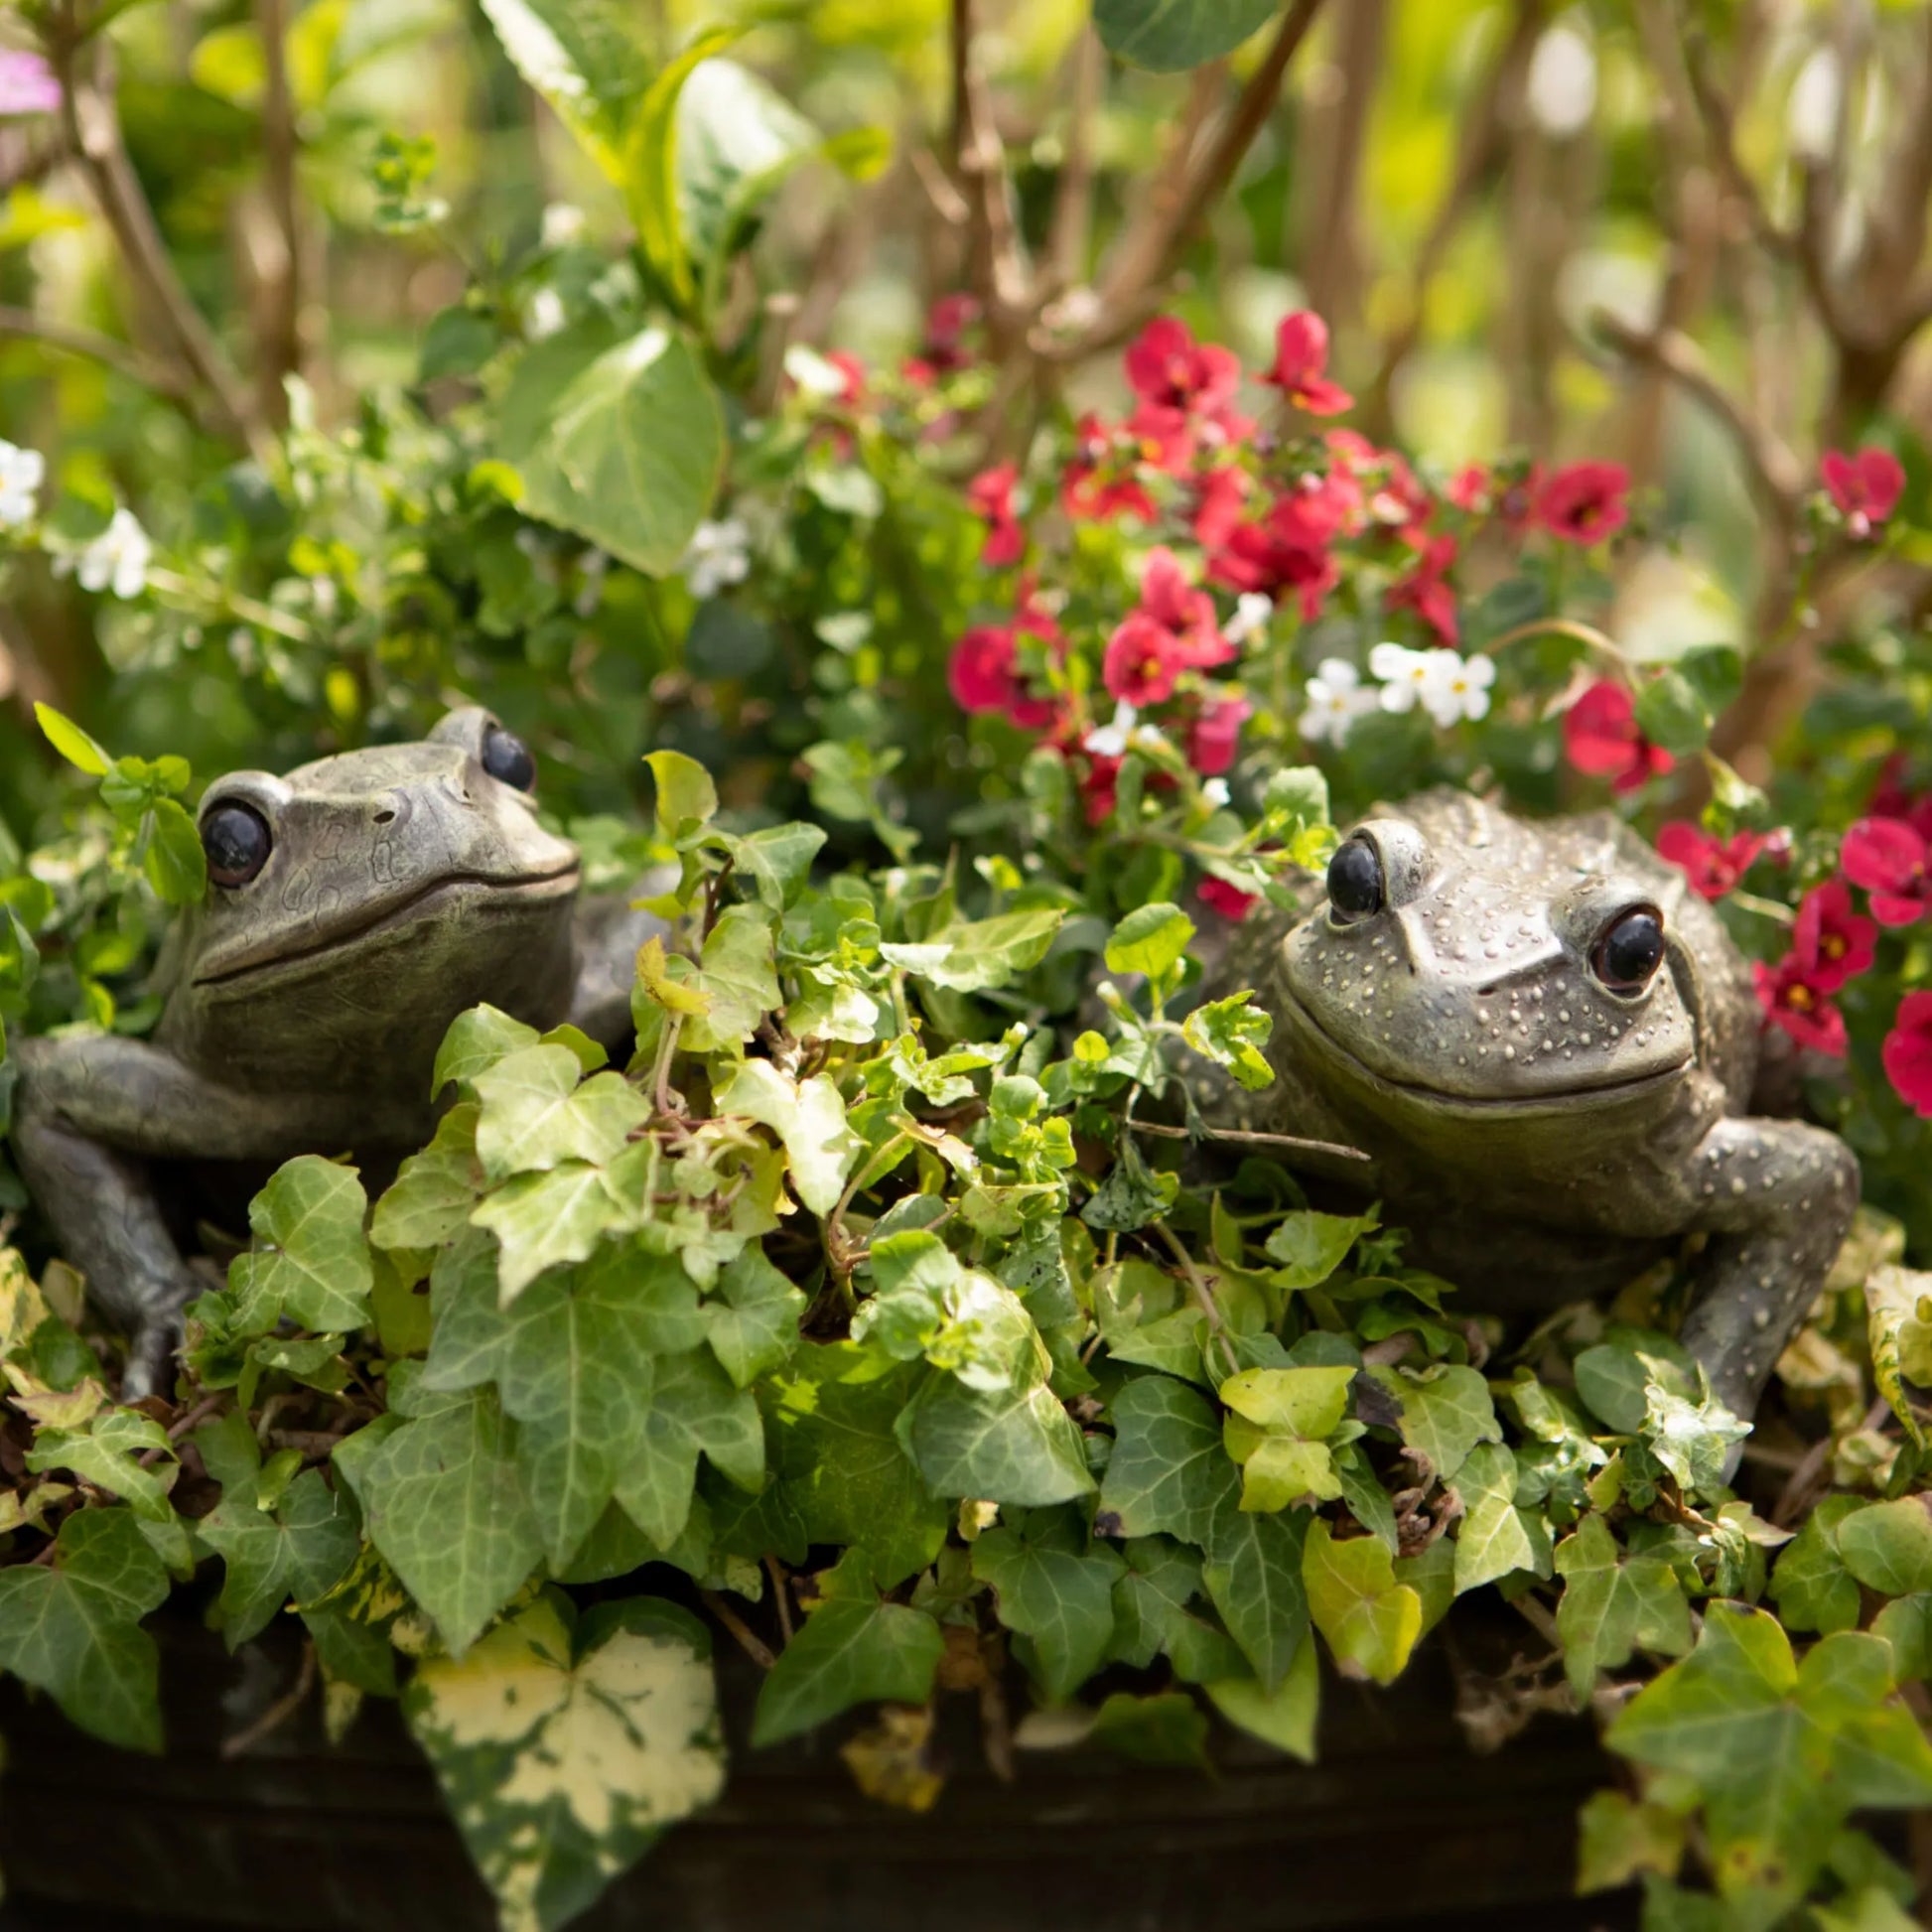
x,y
1546,1045
354,908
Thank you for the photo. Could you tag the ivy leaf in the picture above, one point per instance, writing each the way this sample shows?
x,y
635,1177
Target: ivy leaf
x,y
1888,1547
1231,1032
175,863
1622,1838
1014,1446
1691,1439
543,1221
740,979
809,1116
1167,1471
848,1653
1284,1717
1371,1623
311,1263
1151,1597
71,1627
1061,1600
1614,1606
1253,1577
1445,1412
1898,1310
535,1114
563,1756
442,1503
685,796
778,860
981,955
1494,1537
435,1191
107,1453
751,1318
694,1410
1812,1586
1309,1247
476,1042
303,1548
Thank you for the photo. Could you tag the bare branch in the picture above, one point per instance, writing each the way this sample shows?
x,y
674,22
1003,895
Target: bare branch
x,y
1066,246
24,326
280,347
996,258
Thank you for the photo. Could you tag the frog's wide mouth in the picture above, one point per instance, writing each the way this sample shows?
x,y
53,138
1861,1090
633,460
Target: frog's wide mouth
x,y
305,943
1585,1093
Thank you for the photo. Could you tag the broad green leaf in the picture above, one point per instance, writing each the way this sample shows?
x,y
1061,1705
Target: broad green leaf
x,y
736,140
434,1191
1370,1622
1169,1728
1888,1547
564,1755
476,1042
1614,1606
1308,1247
739,977
311,1262
1061,1599
685,794
1622,1838
848,1653
72,742
1692,1439
779,860
536,1114
693,1410
982,955
1307,1402
175,865
1898,1309
1232,1033
623,447
1167,1471
583,59
71,1627
1494,1537
809,1116
1152,1596
1812,1587
301,1549
651,160
443,1502
1254,1577
1168,35
543,1221
1445,1412
751,1318
1284,1717
1152,939
1014,1446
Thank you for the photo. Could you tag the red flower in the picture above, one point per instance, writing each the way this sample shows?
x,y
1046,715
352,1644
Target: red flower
x,y
1470,489
1222,493
1216,732
852,388
1426,592
1585,503
1793,999
991,493
1831,942
1099,484
1300,357
1864,487
946,324
1907,1052
1890,799
1142,661
1168,370
1233,903
1099,786
1712,865
1890,860
1600,737
1186,613
984,672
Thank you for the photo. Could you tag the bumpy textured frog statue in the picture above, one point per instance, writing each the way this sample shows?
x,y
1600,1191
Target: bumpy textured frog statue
x,y
1547,1046
355,907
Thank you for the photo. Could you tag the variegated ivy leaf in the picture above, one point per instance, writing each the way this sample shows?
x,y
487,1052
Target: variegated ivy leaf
x,y
809,1116
311,1258
564,1751
538,1112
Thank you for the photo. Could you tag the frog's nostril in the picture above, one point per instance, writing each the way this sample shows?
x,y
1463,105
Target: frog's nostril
x,y
385,818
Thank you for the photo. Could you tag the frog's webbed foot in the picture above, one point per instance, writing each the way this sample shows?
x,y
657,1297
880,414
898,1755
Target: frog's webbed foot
x,y
1777,1196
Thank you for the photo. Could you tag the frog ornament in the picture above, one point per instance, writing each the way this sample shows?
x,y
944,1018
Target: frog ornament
x,y
354,908
1545,1045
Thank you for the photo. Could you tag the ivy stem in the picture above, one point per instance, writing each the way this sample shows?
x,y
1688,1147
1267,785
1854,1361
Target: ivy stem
x,y
746,1640
1582,633
1247,1138
1203,1293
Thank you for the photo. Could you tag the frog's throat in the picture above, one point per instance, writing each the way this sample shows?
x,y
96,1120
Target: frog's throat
x,y
1566,1100
536,886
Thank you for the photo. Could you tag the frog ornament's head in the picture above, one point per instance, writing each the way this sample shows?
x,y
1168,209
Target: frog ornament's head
x,y
1453,990
417,875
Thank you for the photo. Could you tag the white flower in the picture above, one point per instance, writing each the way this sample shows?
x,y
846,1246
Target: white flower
x,y
814,376
1110,741
563,223
717,554
1457,687
1215,791
1813,107
21,474
1252,609
544,314
1334,700
1561,91
116,560
1406,674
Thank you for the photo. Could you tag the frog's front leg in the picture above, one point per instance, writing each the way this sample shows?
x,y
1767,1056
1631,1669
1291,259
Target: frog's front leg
x,y
1778,1198
87,1115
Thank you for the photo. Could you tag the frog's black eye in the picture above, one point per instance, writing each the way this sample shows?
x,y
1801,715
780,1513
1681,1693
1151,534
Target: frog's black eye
x,y
506,756
1355,880
1630,951
237,843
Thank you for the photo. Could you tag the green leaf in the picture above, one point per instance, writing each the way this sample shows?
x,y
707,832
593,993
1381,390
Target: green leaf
x,y
1061,1600
72,742
809,1116
1691,1439
1168,35
71,1627
1494,1537
476,1042
694,1410
581,56
1370,1622
535,1114
543,1221
109,1452
175,865
1254,1577
1888,1547
442,1503
778,860
1014,1446
311,1262
562,1759
302,1547
435,1191
1445,1412
848,1653
1309,1247
981,955
651,164
1231,1032
1151,1599
739,978
1614,1606
1811,1586
1622,1838
685,794
1284,1717
623,447
1152,939
1167,1471
1898,1308
1305,1402
752,1318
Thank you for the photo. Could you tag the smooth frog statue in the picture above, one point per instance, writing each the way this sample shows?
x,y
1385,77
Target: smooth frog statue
x,y
355,907
1546,1045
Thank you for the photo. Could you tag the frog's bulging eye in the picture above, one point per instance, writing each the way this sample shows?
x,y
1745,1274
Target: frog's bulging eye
x,y
506,756
1630,951
238,842
1355,887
